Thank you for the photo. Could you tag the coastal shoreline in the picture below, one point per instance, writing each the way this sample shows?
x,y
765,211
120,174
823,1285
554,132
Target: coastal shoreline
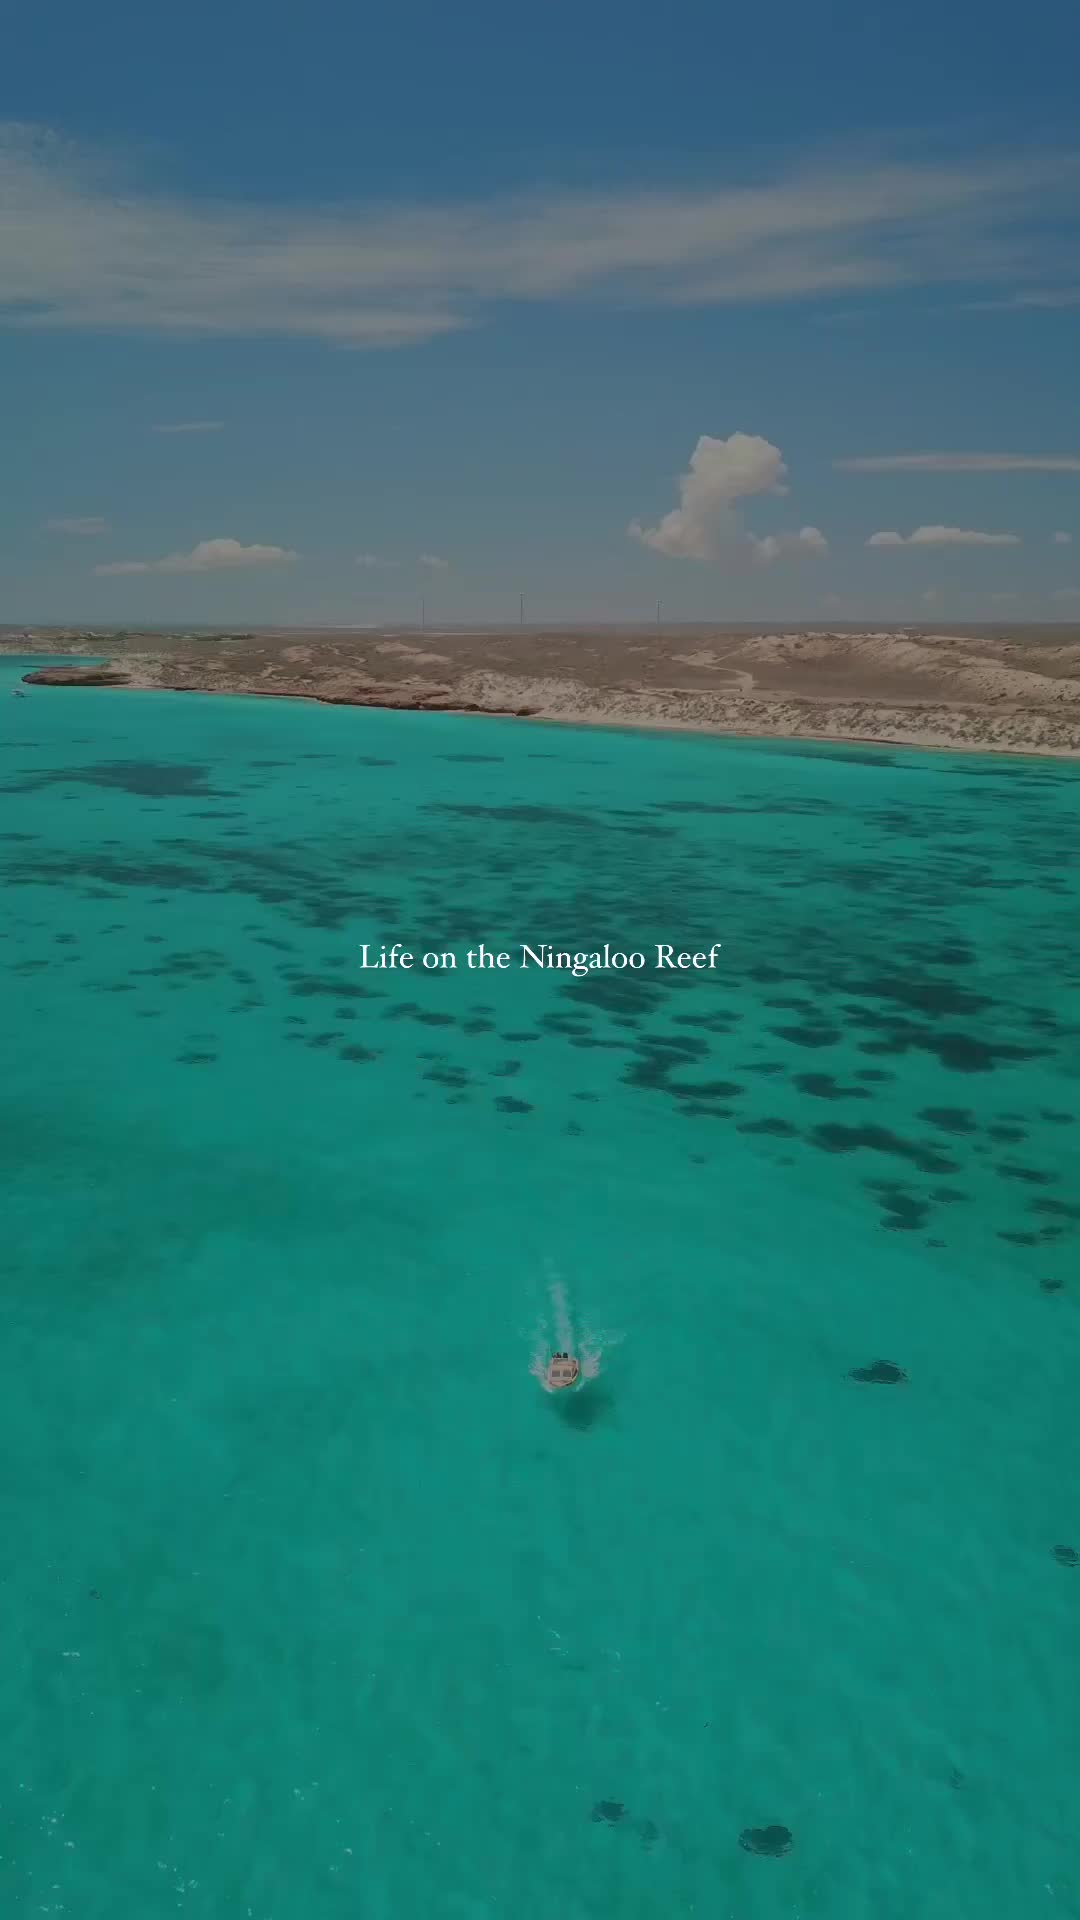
x,y
588,719
1012,692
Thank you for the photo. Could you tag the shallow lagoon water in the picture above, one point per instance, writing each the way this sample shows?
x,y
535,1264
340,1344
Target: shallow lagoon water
x,y
315,1603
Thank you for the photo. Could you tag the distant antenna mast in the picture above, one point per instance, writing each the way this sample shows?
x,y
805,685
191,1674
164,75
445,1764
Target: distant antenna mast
x,y
521,609
658,613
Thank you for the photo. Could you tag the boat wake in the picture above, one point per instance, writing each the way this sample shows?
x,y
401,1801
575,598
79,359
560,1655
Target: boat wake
x,y
558,1332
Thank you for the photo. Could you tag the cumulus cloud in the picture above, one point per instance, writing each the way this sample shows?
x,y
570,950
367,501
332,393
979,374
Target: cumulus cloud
x,y
944,537
191,426
776,546
433,560
1062,539
89,523
705,526
962,463
209,556
720,473
89,244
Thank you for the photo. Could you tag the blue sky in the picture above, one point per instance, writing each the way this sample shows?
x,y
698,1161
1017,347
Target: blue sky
x,y
587,302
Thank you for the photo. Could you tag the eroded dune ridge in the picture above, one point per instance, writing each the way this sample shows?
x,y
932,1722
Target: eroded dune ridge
x,y
1001,689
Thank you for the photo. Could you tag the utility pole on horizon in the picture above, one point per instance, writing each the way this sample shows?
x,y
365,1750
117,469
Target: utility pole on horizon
x,y
521,609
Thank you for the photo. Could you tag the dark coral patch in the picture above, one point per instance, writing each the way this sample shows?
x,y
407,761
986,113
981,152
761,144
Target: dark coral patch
x,y
783,1129
448,1076
904,1213
705,1089
1066,1556
920,995
610,1811
824,1086
621,993
307,985
880,1373
772,1841
964,1054
507,1104
833,1137
148,778
959,1052
658,1057
950,1119
675,1045
521,814
564,1023
808,1036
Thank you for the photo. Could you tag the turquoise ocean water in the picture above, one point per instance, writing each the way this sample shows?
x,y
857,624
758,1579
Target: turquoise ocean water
x,y
314,1603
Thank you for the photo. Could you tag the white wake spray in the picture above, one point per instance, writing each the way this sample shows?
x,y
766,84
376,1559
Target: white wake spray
x,y
557,1333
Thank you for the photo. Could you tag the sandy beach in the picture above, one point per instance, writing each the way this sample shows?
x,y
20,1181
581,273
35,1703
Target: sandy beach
x,y
1010,690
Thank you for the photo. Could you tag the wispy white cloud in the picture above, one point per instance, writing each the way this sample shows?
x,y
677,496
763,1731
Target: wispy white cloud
x,y
88,523
1045,298
210,556
89,245
944,537
1062,539
962,463
434,560
375,560
704,526
190,426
